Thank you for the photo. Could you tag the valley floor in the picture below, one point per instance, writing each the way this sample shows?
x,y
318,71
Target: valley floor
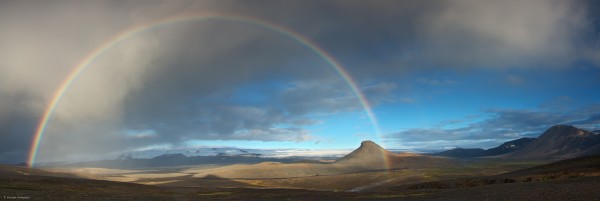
x,y
76,189
472,180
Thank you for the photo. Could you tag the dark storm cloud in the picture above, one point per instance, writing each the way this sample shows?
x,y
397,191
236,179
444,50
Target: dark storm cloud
x,y
17,124
411,35
188,81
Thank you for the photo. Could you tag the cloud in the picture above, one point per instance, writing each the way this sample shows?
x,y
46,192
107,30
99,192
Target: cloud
x,y
435,82
501,125
380,93
403,36
513,79
407,100
593,120
140,134
558,103
182,96
16,127
232,81
504,34
327,97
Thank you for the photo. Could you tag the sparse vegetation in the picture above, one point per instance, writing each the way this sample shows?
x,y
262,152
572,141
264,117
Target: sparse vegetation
x,y
465,179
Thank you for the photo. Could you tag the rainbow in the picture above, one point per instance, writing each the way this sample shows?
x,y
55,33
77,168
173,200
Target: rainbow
x,y
130,32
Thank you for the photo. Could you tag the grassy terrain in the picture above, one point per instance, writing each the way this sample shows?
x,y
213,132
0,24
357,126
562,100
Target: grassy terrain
x,y
471,180
305,176
73,189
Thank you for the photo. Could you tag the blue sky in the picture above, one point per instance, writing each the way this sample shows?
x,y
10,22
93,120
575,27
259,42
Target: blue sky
x,y
450,100
438,74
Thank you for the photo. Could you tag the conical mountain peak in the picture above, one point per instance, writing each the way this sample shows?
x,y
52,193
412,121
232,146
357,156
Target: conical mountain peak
x,y
372,156
369,144
368,150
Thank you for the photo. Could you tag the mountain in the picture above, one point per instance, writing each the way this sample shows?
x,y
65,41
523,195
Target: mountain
x,y
504,148
372,156
568,168
560,142
368,151
509,146
180,159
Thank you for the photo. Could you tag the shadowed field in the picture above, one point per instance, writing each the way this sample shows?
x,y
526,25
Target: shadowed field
x,y
356,176
393,185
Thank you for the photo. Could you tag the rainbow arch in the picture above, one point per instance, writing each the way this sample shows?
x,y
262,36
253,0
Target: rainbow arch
x,y
80,67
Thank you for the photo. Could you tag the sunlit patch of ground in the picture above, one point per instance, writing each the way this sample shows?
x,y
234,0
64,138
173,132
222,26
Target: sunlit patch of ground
x,y
22,173
155,175
270,170
120,179
339,182
312,176
273,170
94,171
158,182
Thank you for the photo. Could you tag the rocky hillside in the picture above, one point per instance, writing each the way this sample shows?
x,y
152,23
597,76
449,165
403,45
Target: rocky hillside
x,y
504,148
560,142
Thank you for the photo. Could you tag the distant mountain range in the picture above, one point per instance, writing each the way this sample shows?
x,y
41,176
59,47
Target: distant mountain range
x,y
504,148
369,156
203,155
179,160
558,142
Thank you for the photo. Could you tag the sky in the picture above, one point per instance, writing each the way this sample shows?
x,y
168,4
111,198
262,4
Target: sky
x,y
437,74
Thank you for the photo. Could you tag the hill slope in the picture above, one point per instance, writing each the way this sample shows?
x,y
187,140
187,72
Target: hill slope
x,y
560,142
463,153
504,148
572,179
509,146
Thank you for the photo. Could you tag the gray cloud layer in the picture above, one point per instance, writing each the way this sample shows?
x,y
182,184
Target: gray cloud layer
x,y
184,82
